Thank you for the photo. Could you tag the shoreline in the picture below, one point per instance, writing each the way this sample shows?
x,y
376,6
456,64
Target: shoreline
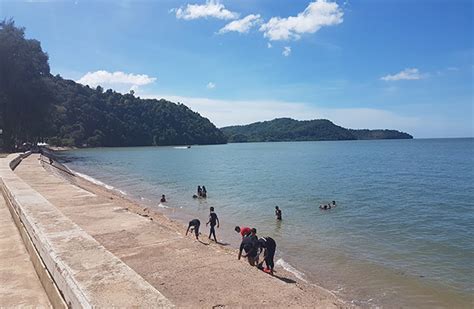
x,y
133,205
146,207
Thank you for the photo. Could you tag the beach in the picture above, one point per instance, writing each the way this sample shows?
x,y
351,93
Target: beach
x,y
187,272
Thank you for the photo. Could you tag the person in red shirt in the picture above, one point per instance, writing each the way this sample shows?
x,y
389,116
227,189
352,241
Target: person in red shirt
x,y
244,231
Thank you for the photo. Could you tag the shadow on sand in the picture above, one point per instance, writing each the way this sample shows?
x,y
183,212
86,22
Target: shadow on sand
x,y
286,280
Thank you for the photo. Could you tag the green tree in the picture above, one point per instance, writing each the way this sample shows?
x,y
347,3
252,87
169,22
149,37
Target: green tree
x,y
24,95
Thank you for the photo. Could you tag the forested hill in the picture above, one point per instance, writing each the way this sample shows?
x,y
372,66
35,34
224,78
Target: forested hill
x,y
287,129
36,106
90,117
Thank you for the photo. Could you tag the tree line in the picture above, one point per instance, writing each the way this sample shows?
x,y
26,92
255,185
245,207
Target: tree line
x,y
36,106
287,129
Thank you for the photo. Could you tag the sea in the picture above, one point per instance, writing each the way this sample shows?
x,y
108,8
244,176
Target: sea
x,y
401,234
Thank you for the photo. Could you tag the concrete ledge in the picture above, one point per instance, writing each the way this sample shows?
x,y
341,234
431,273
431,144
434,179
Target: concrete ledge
x,y
50,288
86,274
17,159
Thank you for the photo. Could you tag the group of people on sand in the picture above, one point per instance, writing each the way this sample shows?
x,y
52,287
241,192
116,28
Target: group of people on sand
x,y
327,206
201,192
252,246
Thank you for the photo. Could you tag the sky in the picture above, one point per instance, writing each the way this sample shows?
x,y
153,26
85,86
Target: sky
x,y
394,64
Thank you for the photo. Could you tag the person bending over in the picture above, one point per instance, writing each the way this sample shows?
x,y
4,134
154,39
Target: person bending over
x,y
244,231
194,225
268,245
213,220
250,247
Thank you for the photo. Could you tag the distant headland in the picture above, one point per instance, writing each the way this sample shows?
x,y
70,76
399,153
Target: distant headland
x,y
287,129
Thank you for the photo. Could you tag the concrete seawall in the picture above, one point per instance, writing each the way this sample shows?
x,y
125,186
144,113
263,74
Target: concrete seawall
x,y
74,268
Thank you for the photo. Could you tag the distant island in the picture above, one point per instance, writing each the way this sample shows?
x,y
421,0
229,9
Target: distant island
x,y
287,129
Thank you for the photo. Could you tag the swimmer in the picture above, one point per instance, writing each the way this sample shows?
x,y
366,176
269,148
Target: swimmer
x,y
277,213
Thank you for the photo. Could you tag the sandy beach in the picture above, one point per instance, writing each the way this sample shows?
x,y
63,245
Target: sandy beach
x,y
189,273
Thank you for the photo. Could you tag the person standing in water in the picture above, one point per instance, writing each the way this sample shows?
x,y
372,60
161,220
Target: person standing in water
x,y
204,192
213,220
199,191
163,199
277,213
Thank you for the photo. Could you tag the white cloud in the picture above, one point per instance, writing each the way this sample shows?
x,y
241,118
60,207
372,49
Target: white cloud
x,y
269,45
407,74
212,8
317,14
210,85
118,81
241,25
286,51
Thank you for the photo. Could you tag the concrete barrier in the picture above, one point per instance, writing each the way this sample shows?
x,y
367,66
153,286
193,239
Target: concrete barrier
x,y
86,274
17,159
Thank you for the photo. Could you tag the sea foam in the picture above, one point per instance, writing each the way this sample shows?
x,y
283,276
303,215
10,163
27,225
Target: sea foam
x,y
298,274
99,183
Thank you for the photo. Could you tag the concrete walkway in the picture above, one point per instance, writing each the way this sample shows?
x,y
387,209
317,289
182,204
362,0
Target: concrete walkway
x,y
19,284
187,272
86,273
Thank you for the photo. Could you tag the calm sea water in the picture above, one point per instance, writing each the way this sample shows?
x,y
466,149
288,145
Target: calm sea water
x,y
401,235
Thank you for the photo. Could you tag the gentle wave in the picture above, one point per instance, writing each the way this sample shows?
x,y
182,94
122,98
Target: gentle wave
x,y
298,274
162,206
99,183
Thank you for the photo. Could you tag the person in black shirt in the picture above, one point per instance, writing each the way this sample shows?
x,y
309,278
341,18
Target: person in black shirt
x,y
204,192
268,245
194,224
250,246
277,213
213,220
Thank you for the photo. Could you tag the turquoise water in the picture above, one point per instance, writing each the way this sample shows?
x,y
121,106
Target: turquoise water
x,y
401,235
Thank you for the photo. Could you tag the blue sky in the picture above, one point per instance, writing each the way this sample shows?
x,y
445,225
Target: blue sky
x,y
403,64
